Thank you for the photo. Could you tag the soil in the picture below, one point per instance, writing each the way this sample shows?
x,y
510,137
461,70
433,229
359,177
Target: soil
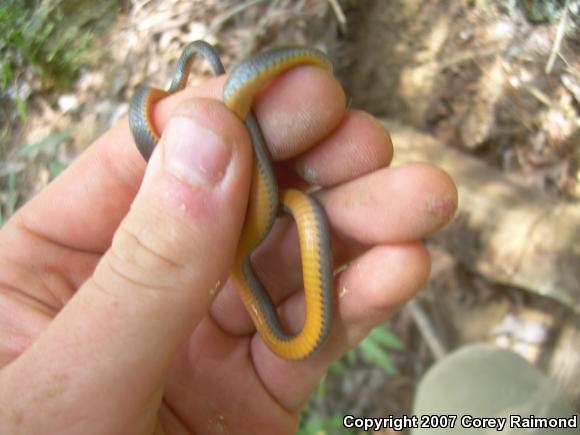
x,y
474,75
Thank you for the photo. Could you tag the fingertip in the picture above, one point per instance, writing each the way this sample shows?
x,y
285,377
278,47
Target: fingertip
x,y
404,203
443,203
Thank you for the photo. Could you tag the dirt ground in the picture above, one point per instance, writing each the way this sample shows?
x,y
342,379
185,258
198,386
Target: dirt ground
x,y
486,77
474,76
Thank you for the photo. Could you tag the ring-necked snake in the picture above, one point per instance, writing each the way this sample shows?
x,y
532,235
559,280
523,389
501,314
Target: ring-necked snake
x,y
265,202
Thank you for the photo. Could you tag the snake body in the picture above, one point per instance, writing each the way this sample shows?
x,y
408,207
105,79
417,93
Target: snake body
x,y
265,201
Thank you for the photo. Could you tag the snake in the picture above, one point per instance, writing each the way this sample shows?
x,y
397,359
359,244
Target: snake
x,y
266,202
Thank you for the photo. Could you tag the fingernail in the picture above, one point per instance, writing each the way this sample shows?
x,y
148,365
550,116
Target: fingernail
x,y
194,153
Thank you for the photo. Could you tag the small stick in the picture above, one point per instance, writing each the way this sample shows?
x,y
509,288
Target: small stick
x,y
558,40
426,329
340,17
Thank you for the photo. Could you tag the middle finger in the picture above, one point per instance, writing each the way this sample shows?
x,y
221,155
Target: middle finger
x,y
389,206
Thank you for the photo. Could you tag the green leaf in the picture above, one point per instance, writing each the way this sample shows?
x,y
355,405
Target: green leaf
x,y
338,367
21,106
386,338
3,134
321,387
350,357
12,195
377,355
315,425
322,425
52,139
541,11
6,73
55,168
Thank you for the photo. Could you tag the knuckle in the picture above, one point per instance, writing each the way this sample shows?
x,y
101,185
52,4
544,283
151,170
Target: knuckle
x,y
143,258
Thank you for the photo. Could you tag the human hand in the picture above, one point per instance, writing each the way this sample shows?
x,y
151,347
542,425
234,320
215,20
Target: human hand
x,y
109,323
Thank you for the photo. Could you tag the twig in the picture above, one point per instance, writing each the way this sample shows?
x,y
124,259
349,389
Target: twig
x,y
340,17
558,40
228,15
426,329
538,95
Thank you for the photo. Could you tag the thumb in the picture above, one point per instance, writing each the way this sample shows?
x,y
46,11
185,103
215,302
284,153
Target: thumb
x,y
169,257
174,250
